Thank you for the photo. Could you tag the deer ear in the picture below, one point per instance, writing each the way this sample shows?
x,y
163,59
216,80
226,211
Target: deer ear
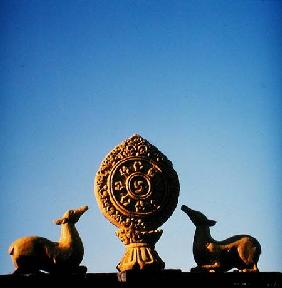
x,y
211,222
59,221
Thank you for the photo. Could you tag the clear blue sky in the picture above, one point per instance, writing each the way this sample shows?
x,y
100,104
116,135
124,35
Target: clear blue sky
x,y
201,80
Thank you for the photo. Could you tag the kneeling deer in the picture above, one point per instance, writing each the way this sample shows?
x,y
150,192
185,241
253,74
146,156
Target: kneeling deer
x,y
32,254
239,251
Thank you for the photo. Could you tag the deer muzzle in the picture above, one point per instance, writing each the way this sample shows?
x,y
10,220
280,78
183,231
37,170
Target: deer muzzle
x,y
81,210
186,209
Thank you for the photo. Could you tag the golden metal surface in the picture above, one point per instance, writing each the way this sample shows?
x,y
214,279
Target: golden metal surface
x,y
137,190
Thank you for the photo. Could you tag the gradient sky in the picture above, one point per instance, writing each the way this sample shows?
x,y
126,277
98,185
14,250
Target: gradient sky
x,y
201,80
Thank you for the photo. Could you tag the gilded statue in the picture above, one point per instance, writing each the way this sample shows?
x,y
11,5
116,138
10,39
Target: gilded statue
x,y
33,254
239,251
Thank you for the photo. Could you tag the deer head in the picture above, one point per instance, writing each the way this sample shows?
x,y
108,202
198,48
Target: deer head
x,y
71,216
197,217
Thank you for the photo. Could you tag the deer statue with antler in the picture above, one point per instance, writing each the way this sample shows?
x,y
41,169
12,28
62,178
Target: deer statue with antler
x,y
33,254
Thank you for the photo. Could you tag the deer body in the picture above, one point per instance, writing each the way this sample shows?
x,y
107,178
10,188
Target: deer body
x,y
239,251
32,254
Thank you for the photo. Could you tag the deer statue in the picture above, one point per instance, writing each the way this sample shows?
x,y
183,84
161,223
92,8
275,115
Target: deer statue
x,y
239,251
33,254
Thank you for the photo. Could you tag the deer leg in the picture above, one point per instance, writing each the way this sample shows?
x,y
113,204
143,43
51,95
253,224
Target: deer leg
x,y
19,271
22,271
207,267
246,253
26,265
80,270
253,269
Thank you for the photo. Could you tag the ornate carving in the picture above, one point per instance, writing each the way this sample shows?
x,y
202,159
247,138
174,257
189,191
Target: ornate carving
x,y
140,250
137,189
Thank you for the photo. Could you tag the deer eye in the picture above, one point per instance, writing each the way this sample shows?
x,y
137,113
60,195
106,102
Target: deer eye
x,y
71,212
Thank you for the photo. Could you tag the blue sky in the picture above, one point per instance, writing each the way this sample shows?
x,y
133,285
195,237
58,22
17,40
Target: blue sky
x,y
201,80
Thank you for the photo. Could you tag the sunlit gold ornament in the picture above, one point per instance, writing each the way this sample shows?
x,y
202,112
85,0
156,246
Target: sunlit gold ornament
x,y
137,190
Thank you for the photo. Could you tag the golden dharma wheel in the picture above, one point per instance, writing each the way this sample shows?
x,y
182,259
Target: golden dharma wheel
x,y
136,185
